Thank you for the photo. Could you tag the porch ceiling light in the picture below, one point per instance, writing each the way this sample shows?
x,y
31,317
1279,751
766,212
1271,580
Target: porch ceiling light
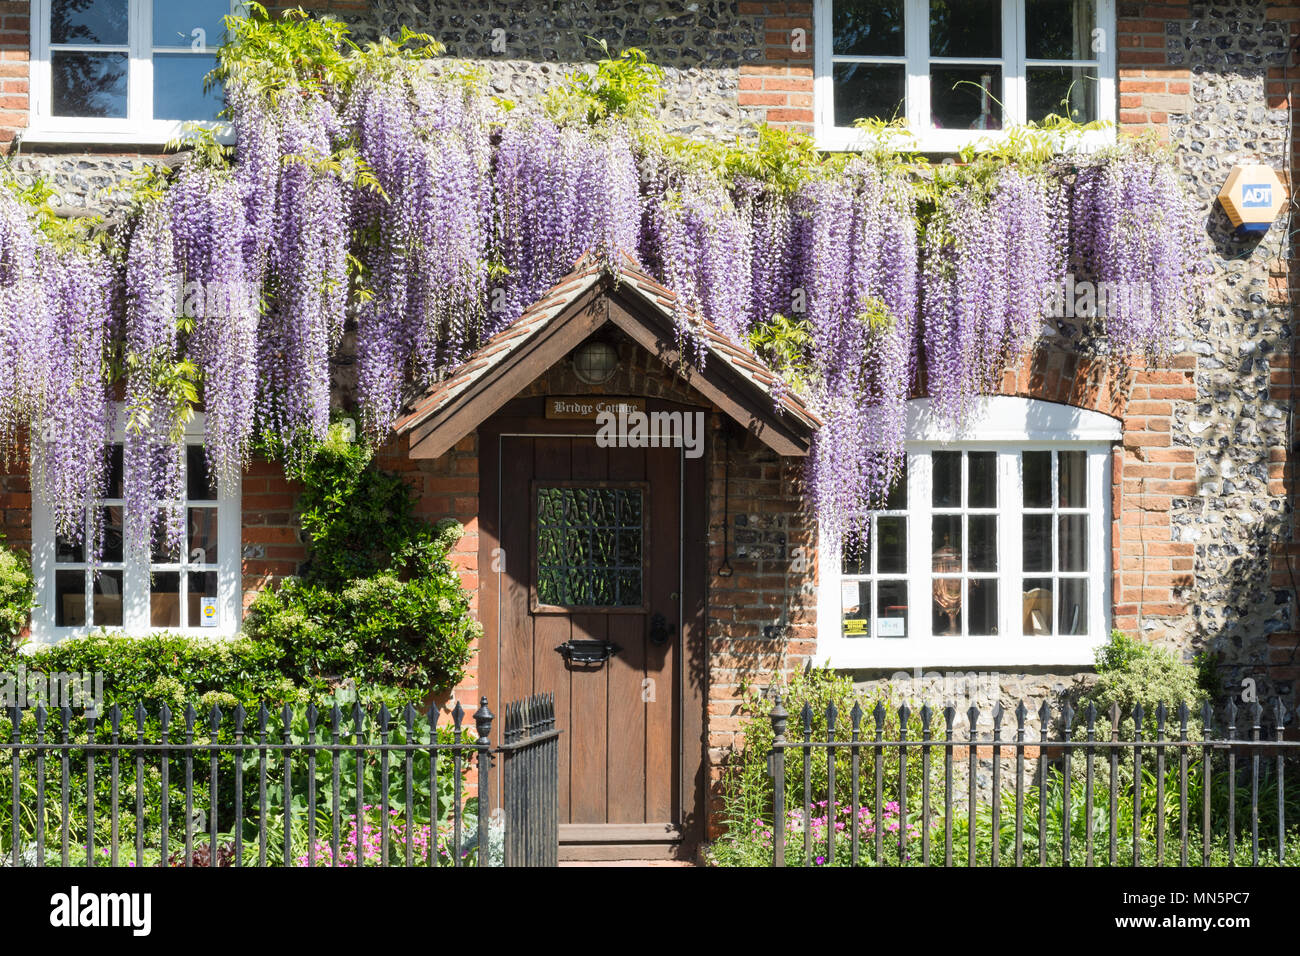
x,y
595,362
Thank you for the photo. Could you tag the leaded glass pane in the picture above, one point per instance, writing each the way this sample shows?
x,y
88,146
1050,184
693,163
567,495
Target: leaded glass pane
x,y
589,547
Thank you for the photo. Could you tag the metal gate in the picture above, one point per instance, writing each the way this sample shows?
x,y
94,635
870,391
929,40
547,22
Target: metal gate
x,y
530,754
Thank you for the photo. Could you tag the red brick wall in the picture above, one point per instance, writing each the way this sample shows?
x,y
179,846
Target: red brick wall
x,y
15,44
1283,90
780,88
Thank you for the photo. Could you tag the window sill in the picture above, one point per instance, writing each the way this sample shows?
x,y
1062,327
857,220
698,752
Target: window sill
x,y
97,133
42,638
989,652
847,139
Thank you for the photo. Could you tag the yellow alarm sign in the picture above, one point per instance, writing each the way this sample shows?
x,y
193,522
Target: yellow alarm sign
x,y
1253,197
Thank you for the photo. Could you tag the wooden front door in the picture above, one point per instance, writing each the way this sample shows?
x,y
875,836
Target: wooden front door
x,y
586,597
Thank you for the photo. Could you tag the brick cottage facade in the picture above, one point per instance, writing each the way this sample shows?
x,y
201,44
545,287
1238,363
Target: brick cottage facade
x,y
1182,470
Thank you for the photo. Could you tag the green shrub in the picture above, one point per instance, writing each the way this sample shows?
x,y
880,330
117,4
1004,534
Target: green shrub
x,y
378,600
16,596
1132,672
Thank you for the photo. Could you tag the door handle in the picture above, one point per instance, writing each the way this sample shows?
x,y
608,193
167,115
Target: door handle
x,y
660,632
587,652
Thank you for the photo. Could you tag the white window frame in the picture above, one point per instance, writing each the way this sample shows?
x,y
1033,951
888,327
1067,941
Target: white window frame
x,y
135,572
138,127
918,60
1008,426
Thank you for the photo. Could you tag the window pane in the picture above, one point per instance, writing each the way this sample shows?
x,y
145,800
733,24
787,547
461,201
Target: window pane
x,y
69,598
1074,543
165,599
202,531
946,485
163,552
983,480
855,598
966,28
945,610
1048,88
1073,467
891,545
198,481
583,537
107,611
111,528
898,493
867,91
67,551
892,620
1037,533
174,23
856,559
201,613
966,97
88,21
115,473
89,85
946,550
1059,29
1073,616
1037,469
983,607
867,27
983,543
178,87
1038,606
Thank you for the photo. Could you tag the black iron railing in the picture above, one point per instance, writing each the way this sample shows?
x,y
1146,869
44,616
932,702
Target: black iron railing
x,y
530,776
1153,787
294,787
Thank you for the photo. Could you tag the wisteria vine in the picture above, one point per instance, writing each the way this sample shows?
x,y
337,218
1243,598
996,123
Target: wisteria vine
x,y
412,210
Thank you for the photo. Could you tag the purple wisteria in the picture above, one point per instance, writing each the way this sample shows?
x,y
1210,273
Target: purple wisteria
x,y
153,460
307,280
560,192
411,211
69,449
423,234
220,301
992,261
1134,231
858,265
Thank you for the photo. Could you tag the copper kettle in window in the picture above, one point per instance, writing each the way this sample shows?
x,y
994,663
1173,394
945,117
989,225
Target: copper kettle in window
x,y
947,591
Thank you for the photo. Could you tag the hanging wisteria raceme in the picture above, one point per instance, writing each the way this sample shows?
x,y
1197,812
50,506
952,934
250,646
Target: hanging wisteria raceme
x,y
424,239
454,218
22,320
72,435
698,241
220,300
1136,237
993,264
307,281
561,192
257,171
857,263
771,259
153,462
